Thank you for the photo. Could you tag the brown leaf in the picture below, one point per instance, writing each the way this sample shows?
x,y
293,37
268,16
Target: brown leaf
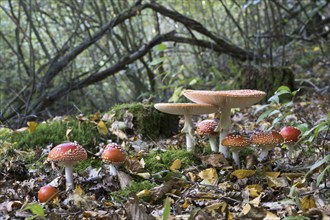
x,y
159,192
215,160
136,211
124,179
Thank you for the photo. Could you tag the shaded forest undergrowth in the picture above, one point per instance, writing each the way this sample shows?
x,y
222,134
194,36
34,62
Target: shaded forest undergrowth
x,y
161,180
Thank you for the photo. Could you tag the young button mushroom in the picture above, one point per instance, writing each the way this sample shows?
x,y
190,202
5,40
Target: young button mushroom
x,y
115,156
207,128
68,154
290,135
47,193
224,101
266,141
236,143
187,110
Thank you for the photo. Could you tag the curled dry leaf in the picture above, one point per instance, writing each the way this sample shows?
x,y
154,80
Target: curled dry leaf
x,y
135,211
215,160
158,193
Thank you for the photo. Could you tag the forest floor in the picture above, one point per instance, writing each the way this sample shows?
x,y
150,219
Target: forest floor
x,y
160,180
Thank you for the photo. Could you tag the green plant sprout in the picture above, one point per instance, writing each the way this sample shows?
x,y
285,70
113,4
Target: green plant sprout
x,y
280,106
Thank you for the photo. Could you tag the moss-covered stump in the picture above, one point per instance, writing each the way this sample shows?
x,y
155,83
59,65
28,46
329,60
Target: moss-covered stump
x,y
266,79
147,121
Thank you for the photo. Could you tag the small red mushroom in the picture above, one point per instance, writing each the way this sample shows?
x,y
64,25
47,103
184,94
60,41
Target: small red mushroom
x,y
47,193
235,142
290,135
68,154
266,141
115,156
207,128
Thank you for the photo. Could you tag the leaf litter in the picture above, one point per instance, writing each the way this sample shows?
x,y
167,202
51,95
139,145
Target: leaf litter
x,y
211,189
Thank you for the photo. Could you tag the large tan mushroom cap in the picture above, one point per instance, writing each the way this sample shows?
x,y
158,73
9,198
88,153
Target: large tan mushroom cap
x,y
185,108
227,98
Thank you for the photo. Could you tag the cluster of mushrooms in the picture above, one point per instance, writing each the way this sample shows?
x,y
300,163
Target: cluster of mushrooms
x,y
207,102
68,154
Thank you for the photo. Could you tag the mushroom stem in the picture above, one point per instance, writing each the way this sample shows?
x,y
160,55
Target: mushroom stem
x,y
112,170
225,123
236,159
69,175
189,131
263,154
290,150
213,143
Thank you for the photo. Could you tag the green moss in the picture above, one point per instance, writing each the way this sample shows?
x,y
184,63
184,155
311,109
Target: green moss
x,y
245,152
153,165
85,133
82,165
134,187
147,120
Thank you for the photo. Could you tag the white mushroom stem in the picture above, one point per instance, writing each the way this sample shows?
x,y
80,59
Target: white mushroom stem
x,y
213,143
224,127
189,131
235,151
69,175
112,170
290,147
264,152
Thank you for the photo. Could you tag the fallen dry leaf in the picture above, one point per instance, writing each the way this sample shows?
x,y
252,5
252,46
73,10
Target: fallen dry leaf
x,y
209,176
240,174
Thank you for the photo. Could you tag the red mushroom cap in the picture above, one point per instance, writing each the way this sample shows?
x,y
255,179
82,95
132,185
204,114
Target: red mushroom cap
x,y
290,134
207,127
267,138
235,140
67,152
47,193
114,154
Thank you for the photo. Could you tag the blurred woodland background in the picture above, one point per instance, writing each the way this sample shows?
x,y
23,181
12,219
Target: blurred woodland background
x,y
83,56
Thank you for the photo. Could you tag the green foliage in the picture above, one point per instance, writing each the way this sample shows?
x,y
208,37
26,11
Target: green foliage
x,y
166,159
134,187
37,210
279,108
84,132
89,162
319,163
167,209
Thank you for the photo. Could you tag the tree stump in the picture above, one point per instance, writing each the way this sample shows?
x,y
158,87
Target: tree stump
x,y
266,79
147,120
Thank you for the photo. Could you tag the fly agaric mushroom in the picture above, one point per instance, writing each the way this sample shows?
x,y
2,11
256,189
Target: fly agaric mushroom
x,y
266,141
187,110
115,156
224,101
236,143
207,128
47,193
290,135
67,154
